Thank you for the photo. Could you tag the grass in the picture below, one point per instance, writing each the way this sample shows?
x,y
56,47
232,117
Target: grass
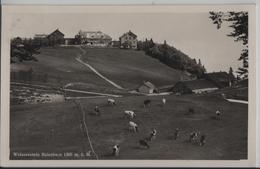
x,y
239,93
129,68
55,127
62,68
225,139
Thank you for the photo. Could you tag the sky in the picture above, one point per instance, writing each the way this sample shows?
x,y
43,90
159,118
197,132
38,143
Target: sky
x,y
192,33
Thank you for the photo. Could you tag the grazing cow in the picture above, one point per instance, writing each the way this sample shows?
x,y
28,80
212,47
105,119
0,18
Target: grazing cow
x,y
130,114
163,101
152,135
111,101
218,114
202,140
191,111
116,150
223,96
133,127
97,110
144,143
176,133
194,136
147,102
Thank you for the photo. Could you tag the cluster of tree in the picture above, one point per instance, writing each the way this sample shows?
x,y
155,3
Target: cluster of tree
x,y
238,21
172,57
23,50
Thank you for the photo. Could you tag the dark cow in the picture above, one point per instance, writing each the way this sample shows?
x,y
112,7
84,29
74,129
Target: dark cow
x,y
147,102
176,133
97,111
202,140
144,143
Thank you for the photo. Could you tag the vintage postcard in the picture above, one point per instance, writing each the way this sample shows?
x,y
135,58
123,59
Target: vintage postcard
x,y
136,85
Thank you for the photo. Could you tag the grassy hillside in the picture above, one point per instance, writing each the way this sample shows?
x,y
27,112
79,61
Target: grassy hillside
x,y
225,139
130,68
61,68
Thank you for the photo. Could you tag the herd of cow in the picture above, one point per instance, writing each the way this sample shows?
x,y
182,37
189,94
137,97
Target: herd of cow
x,y
194,137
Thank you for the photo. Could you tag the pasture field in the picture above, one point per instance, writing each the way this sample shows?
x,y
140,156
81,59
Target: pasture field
x,y
62,68
55,127
129,68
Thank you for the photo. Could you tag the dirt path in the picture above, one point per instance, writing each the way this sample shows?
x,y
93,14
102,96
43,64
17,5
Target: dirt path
x,y
78,58
237,101
102,94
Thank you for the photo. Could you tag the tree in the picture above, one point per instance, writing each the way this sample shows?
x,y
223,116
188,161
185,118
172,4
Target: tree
x,y
239,22
165,43
23,50
199,63
204,69
194,60
231,72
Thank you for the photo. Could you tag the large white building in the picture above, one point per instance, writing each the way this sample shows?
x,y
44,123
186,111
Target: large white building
x,y
93,38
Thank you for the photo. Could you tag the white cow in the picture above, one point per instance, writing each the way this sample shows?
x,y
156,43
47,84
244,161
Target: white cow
x,y
163,101
111,101
129,113
133,126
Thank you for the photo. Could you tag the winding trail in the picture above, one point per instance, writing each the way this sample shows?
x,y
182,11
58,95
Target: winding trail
x,y
78,58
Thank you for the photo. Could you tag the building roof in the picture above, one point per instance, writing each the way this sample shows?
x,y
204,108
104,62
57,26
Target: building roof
x,y
129,33
57,31
94,35
198,84
149,85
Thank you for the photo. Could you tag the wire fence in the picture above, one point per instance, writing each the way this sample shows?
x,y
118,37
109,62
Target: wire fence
x,y
84,124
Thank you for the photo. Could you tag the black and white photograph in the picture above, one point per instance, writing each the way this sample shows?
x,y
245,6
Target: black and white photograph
x,y
129,83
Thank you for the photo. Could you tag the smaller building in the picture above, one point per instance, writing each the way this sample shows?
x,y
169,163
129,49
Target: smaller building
x,y
147,88
194,86
128,40
56,38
